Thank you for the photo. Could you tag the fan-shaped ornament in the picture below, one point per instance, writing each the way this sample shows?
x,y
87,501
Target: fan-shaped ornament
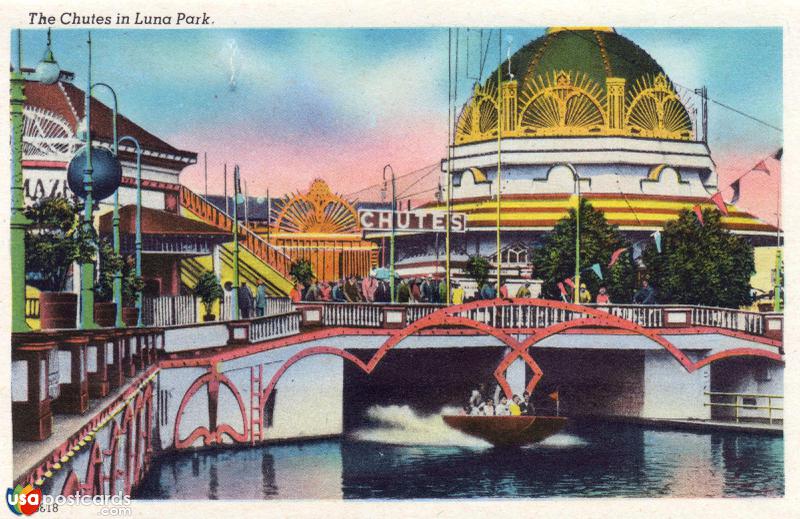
x,y
106,173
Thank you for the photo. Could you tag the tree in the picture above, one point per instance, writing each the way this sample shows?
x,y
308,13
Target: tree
x,y
302,272
54,240
701,264
208,290
554,261
477,269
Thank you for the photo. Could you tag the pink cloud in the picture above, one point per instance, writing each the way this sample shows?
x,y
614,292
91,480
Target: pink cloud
x,y
346,163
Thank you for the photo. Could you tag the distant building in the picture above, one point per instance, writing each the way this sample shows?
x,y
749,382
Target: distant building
x,y
584,109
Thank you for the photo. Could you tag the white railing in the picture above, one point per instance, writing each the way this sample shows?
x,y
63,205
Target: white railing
x,y
415,312
743,321
274,326
352,314
169,310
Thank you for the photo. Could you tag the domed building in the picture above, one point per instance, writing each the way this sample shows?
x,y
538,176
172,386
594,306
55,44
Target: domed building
x,y
580,110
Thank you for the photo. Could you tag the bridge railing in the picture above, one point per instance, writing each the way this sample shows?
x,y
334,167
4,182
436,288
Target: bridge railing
x,y
533,315
274,326
59,371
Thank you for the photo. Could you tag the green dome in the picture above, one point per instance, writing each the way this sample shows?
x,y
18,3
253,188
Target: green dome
x,y
597,52
576,81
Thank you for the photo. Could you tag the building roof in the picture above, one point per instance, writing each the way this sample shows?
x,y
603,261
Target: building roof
x,y
155,221
67,101
629,212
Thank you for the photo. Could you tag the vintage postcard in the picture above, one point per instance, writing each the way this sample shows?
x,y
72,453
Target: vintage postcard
x,y
431,264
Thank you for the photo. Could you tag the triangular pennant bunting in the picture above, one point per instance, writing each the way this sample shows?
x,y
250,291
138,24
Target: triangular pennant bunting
x,y
615,256
569,282
657,238
720,203
736,187
699,212
761,166
597,271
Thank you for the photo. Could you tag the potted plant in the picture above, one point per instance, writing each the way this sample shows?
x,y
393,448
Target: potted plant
x,y
132,285
55,239
208,290
302,272
105,308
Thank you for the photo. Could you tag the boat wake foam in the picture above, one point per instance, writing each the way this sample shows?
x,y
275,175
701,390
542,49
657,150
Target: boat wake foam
x,y
401,425
559,441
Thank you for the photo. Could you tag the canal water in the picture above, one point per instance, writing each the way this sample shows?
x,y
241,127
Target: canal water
x,y
401,455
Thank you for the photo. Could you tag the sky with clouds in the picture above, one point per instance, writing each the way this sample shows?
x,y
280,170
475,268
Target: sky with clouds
x,y
291,105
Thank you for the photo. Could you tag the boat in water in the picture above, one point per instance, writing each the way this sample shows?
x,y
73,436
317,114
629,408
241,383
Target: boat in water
x,y
507,431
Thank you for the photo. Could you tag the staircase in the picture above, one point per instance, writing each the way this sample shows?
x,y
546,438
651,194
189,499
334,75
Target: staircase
x,y
195,206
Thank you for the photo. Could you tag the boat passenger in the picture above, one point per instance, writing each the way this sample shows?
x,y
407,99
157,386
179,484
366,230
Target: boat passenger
x,y
513,406
502,407
475,398
526,406
488,408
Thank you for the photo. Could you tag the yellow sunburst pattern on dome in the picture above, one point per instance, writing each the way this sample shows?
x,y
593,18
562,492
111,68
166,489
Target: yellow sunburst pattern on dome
x,y
561,104
567,103
317,211
656,110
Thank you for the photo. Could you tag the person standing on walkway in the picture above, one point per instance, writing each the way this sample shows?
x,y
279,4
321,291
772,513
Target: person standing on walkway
x,y
602,297
524,291
245,301
458,294
646,295
261,299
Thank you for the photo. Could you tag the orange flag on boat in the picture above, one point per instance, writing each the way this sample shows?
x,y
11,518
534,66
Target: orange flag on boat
x,y
554,395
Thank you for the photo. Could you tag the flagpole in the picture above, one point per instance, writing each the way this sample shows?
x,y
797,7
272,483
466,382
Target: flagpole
x,y
778,298
450,125
499,149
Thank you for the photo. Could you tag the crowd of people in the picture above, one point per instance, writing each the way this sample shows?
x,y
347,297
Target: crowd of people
x,y
369,289
480,404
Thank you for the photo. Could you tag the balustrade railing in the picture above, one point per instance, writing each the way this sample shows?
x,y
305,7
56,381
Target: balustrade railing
x,y
274,326
523,316
169,310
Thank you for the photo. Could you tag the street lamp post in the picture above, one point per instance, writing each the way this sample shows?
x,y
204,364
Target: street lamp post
x,y
138,246
87,268
18,220
391,238
235,294
577,180
115,219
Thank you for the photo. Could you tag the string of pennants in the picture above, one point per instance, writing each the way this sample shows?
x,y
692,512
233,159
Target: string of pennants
x,y
716,198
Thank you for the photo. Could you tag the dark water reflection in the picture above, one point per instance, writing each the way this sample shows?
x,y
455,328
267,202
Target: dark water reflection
x,y
588,459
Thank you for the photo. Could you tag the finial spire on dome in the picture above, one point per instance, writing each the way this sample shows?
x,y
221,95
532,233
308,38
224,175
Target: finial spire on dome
x,y
552,30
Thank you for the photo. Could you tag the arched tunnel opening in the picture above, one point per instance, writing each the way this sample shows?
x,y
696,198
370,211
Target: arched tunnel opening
x,y
425,379
589,382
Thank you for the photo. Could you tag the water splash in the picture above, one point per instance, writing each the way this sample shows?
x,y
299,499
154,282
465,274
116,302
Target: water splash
x,y
559,441
401,425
